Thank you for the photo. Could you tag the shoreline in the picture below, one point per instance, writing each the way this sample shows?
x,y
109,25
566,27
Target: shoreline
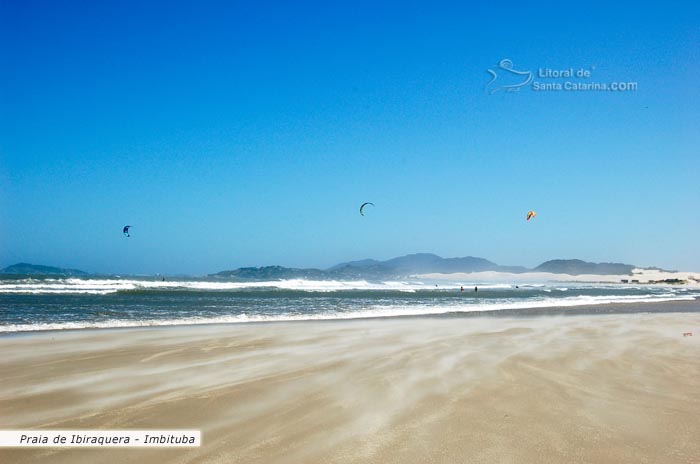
x,y
674,306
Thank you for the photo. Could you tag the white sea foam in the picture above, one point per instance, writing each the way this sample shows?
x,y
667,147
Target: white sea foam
x,y
106,286
378,311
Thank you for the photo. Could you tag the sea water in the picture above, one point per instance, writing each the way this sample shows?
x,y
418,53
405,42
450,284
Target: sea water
x,y
29,304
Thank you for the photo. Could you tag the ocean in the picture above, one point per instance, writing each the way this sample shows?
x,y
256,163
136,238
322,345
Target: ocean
x,y
31,304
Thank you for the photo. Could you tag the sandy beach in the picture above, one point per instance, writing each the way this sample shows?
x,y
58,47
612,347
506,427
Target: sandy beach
x,y
622,388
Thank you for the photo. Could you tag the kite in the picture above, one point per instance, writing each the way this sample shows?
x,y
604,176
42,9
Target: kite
x,y
125,231
363,206
530,214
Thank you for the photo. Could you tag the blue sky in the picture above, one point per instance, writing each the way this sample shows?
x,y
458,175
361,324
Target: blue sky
x,y
248,134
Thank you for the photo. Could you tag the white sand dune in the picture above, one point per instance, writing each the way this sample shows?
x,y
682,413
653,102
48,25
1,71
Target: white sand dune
x,y
642,275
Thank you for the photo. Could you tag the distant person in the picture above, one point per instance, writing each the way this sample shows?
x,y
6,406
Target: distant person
x,y
461,289
476,289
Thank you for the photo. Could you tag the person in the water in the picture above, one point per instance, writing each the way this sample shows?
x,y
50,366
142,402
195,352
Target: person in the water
x,y
476,289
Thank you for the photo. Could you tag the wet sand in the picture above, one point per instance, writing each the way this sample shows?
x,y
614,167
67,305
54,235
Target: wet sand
x,y
548,389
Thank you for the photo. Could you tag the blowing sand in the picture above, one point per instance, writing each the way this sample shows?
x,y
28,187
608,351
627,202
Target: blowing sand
x,y
594,389
691,279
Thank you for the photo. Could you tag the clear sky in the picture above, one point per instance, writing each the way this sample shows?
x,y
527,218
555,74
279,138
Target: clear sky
x,y
236,134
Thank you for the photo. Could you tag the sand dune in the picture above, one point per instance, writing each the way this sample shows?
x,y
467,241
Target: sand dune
x,y
614,388
691,279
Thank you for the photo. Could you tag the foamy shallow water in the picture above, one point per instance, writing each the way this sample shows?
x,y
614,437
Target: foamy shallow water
x,y
75,303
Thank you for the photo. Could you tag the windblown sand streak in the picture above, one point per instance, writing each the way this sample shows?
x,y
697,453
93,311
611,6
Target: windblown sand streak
x,y
613,388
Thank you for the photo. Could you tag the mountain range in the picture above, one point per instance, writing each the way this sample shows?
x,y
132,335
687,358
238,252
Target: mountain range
x,y
420,263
